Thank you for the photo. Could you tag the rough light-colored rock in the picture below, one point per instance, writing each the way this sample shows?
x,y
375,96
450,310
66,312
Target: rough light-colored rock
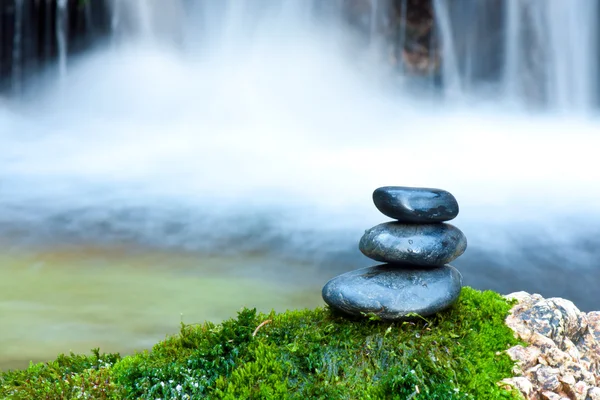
x,y
568,379
562,359
547,395
526,357
593,394
547,378
556,357
542,342
594,323
521,383
572,350
556,319
580,390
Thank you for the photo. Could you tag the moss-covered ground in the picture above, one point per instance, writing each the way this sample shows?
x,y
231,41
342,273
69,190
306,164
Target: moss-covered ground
x,y
308,354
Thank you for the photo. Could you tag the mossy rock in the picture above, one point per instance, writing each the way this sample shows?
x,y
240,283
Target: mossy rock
x,y
308,354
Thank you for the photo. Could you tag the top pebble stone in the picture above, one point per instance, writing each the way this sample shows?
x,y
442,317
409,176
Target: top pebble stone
x,y
415,205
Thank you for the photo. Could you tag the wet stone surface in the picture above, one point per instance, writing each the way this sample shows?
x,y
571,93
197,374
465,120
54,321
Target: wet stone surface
x,y
423,245
415,205
391,293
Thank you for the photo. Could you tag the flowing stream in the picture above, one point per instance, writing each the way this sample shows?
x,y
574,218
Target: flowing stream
x,y
219,154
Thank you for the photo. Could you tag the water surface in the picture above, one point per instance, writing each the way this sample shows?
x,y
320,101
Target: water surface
x,y
121,300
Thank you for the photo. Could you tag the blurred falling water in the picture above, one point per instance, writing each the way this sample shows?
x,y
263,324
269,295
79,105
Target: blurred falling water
x,y
548,50
62,15
17,51
402,35
450,71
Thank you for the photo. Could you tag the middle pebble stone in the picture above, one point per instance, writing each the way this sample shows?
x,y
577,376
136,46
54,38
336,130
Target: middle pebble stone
x,y
427,245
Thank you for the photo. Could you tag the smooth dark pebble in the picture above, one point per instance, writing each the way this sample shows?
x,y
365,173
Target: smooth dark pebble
x,y
392,293
424,245
415,205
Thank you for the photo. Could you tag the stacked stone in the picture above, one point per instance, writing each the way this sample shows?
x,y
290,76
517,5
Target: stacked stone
x,y
416,248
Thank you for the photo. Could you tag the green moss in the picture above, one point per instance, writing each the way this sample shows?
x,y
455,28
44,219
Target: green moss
x,y
68,377
299,354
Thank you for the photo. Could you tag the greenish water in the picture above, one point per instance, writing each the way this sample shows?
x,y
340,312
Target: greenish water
x,y
76,299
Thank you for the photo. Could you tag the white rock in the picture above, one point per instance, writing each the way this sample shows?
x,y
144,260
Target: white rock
x,y
594,393
522,384
563,356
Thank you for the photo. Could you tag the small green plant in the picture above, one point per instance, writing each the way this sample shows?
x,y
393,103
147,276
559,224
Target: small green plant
x,y
68,377
316,354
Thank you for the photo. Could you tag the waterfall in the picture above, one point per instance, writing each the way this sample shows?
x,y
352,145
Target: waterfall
x,y
542,53
17,47
145,15
402,35
88,17
548,50
513,49
374,19
563,34
376,27
570,65
49,35
62,20
452,78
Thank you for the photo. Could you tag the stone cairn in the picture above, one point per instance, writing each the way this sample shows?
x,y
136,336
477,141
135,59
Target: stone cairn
x,y
416,248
